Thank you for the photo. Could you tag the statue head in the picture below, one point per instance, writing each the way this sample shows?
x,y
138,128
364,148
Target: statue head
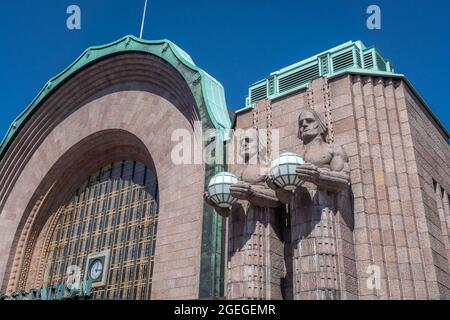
x,y
248,146
311,125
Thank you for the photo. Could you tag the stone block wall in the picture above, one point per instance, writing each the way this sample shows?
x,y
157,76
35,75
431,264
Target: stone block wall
x,y
398,158
432,163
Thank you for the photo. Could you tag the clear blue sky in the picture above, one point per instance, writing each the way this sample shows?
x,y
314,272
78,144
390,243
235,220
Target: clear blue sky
x,y
236,41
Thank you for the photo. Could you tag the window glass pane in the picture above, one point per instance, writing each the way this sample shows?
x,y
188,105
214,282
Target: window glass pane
x,y
114,209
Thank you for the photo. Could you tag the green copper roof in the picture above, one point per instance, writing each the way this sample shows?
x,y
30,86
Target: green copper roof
x,y
350,57
212,90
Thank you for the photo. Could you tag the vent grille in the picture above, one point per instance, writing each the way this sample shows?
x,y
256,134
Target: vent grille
x,y
298,78
368,61
343,61
348,57
258,93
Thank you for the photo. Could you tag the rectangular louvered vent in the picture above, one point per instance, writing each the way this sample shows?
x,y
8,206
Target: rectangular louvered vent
x,y
368,60
298,78
380,62
343,61
324,64
349,57
258,93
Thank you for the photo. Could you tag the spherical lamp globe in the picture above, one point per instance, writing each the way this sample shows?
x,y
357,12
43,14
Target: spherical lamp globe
x,y
219,189
283,170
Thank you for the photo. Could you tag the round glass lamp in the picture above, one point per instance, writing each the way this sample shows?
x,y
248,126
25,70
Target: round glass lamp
x,y
283,170
219,189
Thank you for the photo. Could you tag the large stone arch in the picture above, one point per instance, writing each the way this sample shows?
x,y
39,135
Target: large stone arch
x,y
123,105
57,187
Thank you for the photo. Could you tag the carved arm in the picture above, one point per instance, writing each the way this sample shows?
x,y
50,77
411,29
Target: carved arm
x,y
334,181
224,212
283,196
257,195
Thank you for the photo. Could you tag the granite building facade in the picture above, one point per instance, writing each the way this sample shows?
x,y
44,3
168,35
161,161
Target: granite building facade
x,y
88,186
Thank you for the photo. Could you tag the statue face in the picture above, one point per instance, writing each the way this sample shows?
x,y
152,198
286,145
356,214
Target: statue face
x,y
308,126
249,147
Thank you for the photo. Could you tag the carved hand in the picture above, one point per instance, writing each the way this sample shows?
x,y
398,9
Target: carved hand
x,y
334,181
224,212
308,172
241,190
283,196
269,181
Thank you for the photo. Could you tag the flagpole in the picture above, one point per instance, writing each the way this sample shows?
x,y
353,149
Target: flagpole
x,y
143,19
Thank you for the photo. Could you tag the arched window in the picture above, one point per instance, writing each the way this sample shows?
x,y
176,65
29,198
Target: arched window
x,y
112,216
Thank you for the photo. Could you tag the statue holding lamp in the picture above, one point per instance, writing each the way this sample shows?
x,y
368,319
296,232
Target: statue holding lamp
x,y
300,204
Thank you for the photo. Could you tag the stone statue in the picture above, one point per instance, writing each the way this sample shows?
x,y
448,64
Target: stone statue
x,y
251,186
255,251
320,215
293,245
326,165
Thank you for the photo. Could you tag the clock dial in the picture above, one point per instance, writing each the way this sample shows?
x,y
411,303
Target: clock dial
x,y
96,270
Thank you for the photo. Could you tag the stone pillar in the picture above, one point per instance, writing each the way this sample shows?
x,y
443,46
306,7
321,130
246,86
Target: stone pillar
x,y
322,245
255,253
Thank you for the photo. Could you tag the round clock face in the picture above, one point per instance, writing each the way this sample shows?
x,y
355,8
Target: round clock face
x,y
96,270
